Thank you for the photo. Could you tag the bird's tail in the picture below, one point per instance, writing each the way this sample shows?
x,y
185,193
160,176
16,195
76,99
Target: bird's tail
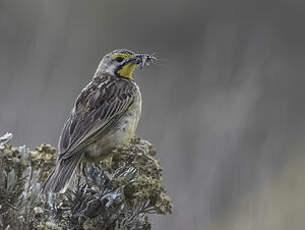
x,y
61,175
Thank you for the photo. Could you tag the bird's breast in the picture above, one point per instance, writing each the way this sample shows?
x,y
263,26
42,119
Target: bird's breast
x,y
120,135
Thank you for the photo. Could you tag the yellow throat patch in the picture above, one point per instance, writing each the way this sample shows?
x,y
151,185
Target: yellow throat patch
x,y
127,70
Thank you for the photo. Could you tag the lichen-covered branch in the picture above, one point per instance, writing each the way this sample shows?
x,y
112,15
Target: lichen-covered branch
x,y
116,193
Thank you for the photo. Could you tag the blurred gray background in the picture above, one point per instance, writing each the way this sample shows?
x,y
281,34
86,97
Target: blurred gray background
x,y
224,106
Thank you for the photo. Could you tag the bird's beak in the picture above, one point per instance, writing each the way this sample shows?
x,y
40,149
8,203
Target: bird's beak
x,y
143,59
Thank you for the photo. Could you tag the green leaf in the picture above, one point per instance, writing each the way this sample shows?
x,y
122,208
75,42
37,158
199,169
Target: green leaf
x,y
11,180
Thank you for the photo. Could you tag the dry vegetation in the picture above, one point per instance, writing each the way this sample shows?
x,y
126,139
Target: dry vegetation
x,y
118,193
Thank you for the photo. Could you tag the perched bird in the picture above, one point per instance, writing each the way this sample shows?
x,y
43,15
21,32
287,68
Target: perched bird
x,y
105,116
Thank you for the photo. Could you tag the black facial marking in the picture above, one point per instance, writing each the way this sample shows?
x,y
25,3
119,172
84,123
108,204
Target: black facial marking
x,y
119,59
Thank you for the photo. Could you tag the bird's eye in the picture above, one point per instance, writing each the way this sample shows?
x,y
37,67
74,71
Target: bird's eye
x,y
119,59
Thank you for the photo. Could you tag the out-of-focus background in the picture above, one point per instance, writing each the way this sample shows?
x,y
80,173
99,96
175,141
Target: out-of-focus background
x,y
224,106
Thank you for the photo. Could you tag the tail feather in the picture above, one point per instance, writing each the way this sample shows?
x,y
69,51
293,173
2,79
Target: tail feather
x,y
62,174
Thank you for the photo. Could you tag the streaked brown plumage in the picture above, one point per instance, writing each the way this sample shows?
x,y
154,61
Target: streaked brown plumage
x,y
105,115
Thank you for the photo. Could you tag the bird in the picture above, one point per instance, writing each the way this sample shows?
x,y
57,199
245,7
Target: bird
x,y
104,116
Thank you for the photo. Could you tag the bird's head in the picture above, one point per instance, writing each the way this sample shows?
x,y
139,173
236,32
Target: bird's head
x,y
123,62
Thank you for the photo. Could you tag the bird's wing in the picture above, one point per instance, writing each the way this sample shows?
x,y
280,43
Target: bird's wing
x,y
96,110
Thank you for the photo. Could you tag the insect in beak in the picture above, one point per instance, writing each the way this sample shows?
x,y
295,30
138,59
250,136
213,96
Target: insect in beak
x,y
144,59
